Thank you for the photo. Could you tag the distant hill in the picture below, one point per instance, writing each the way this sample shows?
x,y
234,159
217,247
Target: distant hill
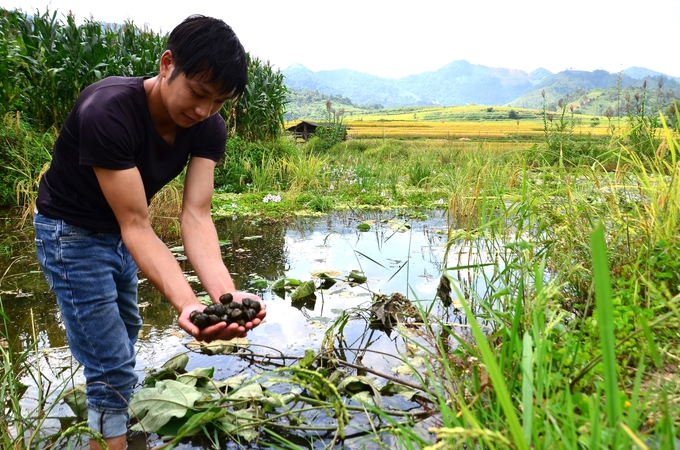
x,y
463,83
358,86
640,73
593,92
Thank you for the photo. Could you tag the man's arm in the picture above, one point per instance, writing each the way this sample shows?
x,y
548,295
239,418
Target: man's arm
x,y
199,236
124,192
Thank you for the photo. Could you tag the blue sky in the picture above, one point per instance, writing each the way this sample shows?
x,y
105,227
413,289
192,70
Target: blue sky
x,y
394,39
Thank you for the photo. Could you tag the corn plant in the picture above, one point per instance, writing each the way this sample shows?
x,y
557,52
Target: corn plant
x,y
258,114
52,60
9,89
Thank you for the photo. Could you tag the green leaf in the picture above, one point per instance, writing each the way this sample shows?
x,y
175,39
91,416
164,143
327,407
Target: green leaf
x,y
251,391
527,385
284,283
392,388
327,281
354,384
178,363
363,227
159,374
651,344
199,376
363,397
356,276
258,283
228,385
75,399
498,382
308,359
306,289
273,401
195,423
398,225
361,389
605,312
240,423
159,404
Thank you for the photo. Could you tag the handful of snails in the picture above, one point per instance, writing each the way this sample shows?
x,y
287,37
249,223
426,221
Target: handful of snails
x,y
228,311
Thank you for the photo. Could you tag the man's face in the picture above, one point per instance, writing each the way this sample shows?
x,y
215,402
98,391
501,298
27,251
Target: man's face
x,y
190,100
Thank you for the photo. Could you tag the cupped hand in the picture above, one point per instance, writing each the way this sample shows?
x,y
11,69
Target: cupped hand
x,y
220,331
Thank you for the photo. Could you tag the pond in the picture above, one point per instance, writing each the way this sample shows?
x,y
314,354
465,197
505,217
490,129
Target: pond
x,y
400,252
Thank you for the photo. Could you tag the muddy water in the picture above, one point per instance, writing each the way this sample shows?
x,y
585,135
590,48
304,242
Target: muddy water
x,y
406,260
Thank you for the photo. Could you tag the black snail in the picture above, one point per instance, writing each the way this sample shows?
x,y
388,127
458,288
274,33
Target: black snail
x,y
227,311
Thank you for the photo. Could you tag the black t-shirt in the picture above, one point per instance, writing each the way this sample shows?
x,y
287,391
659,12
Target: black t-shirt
x,y
110,127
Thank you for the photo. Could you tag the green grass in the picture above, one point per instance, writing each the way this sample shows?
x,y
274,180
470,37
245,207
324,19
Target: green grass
x,y
573,341
24,427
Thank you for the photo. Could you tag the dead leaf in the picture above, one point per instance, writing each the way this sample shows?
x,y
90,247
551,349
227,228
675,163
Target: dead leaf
x,y
444,290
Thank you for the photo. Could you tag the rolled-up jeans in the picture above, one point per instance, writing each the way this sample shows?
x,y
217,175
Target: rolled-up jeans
x,y
95,281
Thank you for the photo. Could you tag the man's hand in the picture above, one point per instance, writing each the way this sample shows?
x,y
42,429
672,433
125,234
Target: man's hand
x,y
220,330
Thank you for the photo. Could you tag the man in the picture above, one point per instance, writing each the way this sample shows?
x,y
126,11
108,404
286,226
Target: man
x,y
123,141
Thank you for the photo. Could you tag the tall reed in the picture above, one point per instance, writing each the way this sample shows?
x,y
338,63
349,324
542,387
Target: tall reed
x,y
563,354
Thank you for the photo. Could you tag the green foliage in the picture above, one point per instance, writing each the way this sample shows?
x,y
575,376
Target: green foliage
x,y
258,114
9,88
245,160
25,424
332,131
558,129
305,172
231,174
564,146
559,354
320,203
418,174
23,156
643,136
49,61
311,105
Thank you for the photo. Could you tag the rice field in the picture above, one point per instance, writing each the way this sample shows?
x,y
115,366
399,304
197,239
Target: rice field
x,y
468,122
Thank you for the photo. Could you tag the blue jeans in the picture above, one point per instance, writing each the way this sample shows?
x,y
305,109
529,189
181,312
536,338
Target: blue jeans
x,y
95,281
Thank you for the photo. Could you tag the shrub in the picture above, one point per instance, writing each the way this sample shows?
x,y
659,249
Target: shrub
x,y
241,159
332,131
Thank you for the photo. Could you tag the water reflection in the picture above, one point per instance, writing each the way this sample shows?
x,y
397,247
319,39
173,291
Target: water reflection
x,y
407,262
404,260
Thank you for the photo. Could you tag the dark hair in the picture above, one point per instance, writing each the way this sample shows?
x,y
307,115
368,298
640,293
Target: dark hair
x,y
209,48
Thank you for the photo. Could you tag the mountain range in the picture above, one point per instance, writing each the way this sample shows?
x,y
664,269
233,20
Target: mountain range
x,y
463,83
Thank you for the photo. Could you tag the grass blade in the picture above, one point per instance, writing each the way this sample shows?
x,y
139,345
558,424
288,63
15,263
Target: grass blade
x,y
527,386
603,298
496,376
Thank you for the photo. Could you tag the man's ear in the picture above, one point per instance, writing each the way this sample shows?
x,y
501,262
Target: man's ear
x,y
166,64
